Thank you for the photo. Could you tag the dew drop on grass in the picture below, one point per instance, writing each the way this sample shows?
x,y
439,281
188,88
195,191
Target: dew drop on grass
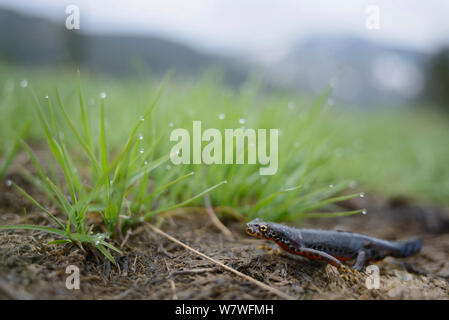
x,y
8,183
171,124
145,163
24,83
97,242
226,181
103,95
140,137
142,150
362,195
242,121
331,186
141,118
364,211
46,97
221,116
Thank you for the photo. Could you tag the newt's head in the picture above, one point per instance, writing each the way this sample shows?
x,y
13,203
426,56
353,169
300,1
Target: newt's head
x,y
267,230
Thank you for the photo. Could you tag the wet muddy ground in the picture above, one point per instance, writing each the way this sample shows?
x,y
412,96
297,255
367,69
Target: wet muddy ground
x,y
152,267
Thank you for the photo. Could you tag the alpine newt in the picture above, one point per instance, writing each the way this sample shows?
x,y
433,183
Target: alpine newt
x,y
334,247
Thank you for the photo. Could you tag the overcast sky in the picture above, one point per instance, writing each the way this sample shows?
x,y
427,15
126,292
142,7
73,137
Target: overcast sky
x,y
251,26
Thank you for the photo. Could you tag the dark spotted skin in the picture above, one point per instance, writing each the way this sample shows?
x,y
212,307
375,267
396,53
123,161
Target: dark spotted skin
x,y
333,247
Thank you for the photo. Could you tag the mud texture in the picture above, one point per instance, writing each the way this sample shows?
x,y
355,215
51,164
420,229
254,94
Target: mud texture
x,y
153,267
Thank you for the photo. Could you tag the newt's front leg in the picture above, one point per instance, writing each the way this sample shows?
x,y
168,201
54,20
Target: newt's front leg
x,y
272,249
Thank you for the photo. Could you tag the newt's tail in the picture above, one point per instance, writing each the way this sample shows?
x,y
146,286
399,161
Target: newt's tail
x,y
407,248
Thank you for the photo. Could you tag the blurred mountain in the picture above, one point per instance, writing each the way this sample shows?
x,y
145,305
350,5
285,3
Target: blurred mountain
x,y
362,72
34,41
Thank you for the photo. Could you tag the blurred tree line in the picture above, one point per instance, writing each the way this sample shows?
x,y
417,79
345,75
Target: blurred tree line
x,y
34,41
437,82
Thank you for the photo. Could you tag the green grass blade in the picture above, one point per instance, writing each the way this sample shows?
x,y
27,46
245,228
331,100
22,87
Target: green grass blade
x,y
105,252
57,242
325,202
83,113
37,204
12,153
152,213
324,214
167,186
35,228
110,246
270,198
85,145
103,147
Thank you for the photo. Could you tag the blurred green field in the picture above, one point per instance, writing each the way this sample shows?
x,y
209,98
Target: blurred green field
x,y
396,153
390,151
326,154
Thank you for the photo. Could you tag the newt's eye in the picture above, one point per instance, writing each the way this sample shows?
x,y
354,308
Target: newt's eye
x,y
263,228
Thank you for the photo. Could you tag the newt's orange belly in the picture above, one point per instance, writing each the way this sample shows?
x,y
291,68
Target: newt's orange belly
x,y
341,258
309,255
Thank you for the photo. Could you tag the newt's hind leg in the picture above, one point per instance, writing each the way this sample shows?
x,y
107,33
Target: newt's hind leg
x,y
360,261
321,255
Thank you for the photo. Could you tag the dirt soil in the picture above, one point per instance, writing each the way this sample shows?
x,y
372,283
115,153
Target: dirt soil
x,y
153,267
